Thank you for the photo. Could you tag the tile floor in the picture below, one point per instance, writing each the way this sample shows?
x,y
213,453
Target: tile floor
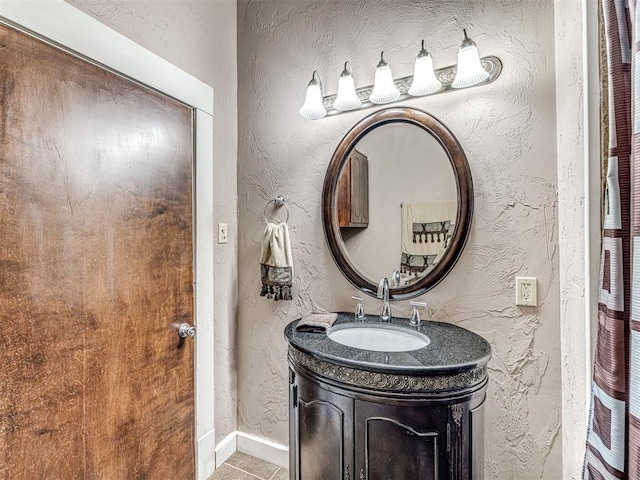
x,y
241,466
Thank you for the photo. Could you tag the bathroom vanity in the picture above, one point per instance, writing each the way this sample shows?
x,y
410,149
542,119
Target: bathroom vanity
x,y
360,414
382,400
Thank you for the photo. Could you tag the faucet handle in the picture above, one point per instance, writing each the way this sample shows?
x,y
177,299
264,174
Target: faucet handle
x,y
359,314
415,314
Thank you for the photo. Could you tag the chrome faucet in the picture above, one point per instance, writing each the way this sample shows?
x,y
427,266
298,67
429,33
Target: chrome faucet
x,y
383,293
395,279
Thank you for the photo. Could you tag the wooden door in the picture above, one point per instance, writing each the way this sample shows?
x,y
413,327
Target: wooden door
x,y
95,272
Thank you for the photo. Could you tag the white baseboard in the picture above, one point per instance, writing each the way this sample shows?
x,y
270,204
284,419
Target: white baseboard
x,y
263,448
206,455
226,448
258,447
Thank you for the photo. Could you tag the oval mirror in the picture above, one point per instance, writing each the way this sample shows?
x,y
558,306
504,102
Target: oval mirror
x,y
397,195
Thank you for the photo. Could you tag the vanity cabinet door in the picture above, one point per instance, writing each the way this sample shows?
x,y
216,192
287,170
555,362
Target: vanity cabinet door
x,y
401,442
322,433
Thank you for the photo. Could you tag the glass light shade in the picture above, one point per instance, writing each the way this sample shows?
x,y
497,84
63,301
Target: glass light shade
x,y
469,71
384,90
347,98
424,77
313,108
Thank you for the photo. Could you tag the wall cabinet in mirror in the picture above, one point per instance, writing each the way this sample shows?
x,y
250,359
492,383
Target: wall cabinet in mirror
x,y
403,178
353,192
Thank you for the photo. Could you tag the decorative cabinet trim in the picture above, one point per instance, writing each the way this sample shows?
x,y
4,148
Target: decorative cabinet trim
x,y
456,413
388,381
456,456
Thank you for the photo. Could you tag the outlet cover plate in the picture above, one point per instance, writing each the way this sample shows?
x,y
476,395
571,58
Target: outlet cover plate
x,y
527,291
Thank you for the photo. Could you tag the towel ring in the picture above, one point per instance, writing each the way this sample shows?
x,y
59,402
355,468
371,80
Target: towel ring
x,y
279,201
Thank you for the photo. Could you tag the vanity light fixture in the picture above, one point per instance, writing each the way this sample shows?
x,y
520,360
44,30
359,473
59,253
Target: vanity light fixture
x,y
384,90
313,108
424,78
347,98
471,71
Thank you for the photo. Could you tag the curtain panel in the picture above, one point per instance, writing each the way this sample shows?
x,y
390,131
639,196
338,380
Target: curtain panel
x,y
613,439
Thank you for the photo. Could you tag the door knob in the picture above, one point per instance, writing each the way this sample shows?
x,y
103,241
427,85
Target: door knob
x,y
185,330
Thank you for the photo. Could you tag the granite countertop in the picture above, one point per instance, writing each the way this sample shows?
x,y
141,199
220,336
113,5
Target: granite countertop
x,y
452,349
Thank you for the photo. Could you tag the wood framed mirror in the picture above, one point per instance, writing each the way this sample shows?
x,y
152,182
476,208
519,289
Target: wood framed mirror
x,y
397,195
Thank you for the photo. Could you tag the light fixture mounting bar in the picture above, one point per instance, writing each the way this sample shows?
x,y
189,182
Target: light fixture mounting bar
x,y
491,64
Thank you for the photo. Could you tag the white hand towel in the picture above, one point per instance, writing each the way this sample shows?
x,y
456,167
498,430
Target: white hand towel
x,y
426,227
276,262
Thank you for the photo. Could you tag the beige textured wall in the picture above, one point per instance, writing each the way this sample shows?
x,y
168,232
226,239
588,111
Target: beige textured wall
x,y
200,38
508,132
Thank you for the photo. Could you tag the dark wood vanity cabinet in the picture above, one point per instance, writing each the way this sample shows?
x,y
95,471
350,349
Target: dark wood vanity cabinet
x,y
339,433
353,192
322,423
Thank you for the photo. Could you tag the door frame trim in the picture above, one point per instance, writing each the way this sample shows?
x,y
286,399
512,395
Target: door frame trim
x,y
65,26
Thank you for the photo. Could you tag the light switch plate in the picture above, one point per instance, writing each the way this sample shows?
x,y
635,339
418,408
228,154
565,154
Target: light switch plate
x,y
223,233
527,291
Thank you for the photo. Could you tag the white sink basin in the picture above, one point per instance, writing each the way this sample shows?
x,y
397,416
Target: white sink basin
x,y
381,337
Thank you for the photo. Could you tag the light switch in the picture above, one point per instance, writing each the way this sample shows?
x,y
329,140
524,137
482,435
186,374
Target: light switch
x,y
223,233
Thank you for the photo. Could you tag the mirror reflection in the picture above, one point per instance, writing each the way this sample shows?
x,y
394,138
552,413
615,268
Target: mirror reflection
x,y
398,182
396,203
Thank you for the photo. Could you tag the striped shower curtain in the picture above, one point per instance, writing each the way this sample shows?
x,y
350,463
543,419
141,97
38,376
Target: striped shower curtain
x,y
613,439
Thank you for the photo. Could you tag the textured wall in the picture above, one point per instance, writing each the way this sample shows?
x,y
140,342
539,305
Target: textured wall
x,y
200,38
508,132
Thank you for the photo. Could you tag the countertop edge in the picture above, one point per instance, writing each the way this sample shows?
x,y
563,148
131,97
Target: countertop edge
x,y
389,381
413,370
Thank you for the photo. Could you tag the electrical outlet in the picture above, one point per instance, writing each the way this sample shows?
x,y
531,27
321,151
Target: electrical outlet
x,y
527,291
222,233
